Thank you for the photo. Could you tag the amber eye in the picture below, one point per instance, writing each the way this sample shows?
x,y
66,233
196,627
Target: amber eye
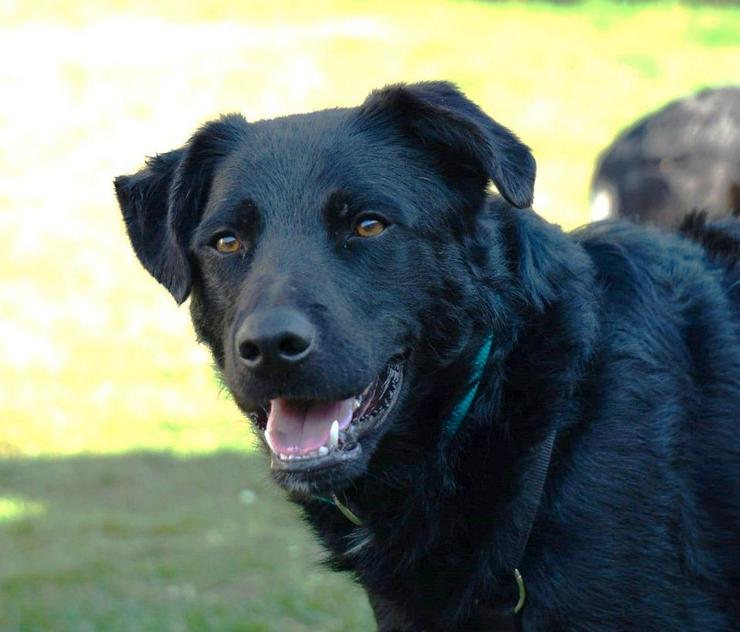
x,y
370,227
227,244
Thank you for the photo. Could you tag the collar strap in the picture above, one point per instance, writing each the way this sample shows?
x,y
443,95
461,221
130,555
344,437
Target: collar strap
x,y
533,484
453,422
533,480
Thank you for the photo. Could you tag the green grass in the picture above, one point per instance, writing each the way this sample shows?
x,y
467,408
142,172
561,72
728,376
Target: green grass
x,y
95,358
148,541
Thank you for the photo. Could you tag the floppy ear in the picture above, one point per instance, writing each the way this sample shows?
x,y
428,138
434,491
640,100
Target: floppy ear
x,y
162,203
442,118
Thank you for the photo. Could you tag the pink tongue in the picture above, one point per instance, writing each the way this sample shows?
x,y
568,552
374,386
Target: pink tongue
x,y
299,427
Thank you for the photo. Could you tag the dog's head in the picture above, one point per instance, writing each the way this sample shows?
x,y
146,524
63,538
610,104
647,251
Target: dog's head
x,y
331,260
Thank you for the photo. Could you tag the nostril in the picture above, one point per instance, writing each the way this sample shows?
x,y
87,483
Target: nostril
x,y
292,345
249,351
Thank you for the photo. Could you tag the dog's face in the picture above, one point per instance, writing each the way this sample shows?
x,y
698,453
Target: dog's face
x,y
319,250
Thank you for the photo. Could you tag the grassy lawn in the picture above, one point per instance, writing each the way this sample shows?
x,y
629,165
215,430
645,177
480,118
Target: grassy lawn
x,y
97,364
153,542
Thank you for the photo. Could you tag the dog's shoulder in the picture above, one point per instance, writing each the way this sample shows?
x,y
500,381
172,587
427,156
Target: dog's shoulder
x,y
646,258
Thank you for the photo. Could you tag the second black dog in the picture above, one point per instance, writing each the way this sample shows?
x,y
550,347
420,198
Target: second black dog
x,y
683,157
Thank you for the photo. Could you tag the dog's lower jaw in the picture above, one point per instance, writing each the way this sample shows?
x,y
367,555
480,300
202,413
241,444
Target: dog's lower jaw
x,y
332,469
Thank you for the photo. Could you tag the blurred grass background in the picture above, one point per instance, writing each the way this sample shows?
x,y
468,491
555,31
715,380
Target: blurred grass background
x,y
130,495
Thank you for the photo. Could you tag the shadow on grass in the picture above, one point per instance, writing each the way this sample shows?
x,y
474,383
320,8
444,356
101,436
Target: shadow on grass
x,y
150,541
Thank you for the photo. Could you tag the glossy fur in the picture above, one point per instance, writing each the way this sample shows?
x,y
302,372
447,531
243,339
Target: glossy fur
x,y
621,338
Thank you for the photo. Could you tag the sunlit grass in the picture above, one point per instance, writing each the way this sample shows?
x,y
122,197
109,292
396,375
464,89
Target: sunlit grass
x,y
14,508
94,356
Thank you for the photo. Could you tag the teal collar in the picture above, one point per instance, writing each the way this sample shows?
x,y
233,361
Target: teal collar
x,y
450,427
452,423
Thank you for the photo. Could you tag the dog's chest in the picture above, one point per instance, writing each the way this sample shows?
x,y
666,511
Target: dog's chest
x,y
412,582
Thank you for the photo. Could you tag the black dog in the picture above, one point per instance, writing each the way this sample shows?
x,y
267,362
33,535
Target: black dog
x,y
684,156
488,422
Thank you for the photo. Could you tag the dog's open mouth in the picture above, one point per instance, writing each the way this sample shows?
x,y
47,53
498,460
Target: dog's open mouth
x,y
316,434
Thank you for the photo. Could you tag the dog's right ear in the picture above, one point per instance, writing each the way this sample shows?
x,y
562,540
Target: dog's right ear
x,y
162,203
437,116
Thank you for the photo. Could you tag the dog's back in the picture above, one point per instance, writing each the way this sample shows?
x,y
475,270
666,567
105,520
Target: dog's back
x,y
721,239
669,377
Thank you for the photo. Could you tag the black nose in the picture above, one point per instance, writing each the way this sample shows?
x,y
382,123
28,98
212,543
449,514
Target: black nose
x,y
274,338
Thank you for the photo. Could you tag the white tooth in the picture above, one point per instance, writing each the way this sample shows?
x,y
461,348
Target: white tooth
x,y
323,450
356,404
334,434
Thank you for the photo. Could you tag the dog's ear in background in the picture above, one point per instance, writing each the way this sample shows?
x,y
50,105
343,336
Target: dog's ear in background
x,y
465,139
163,202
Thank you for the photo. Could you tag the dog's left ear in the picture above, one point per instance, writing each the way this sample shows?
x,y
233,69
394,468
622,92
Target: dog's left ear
x,y
162,203
442,118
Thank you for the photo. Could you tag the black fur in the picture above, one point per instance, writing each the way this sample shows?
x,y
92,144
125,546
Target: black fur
x,y
684,156
721,239
622,339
